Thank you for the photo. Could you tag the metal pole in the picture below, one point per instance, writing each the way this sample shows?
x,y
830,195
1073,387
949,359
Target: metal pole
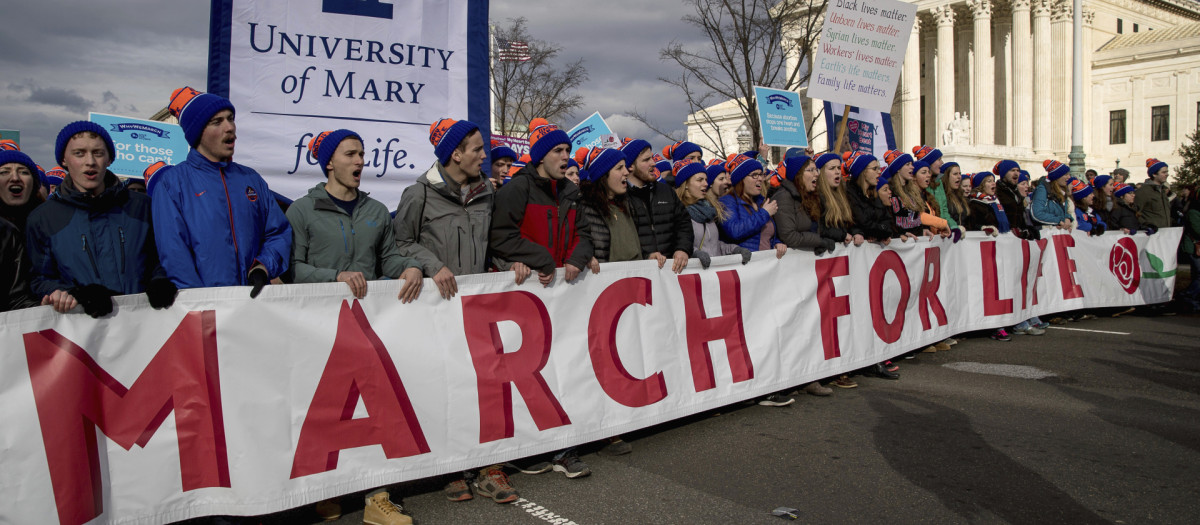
x,y
1077,156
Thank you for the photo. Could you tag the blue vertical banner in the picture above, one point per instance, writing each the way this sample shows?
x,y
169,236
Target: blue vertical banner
x,y
385,69
780,117
867,130
141,143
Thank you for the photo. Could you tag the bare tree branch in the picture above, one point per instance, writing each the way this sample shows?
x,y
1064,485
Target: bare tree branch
x,y
537,87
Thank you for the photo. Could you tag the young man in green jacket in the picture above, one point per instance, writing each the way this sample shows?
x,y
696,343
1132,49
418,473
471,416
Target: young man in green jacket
x,y
341,234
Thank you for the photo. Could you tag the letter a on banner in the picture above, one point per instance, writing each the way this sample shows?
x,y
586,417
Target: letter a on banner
x,y
496,370
359,367
74,396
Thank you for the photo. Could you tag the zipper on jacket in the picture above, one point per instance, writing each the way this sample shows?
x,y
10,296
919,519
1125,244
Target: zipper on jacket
x,y
232,228
91,257
345,242
551,233
121,231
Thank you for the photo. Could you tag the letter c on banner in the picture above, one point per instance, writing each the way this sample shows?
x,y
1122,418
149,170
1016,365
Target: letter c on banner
x,y
888,261
616,381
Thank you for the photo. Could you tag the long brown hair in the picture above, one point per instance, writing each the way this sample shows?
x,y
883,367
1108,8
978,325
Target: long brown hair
x,y
1101,200
954,196
1056,192
903,192
837,210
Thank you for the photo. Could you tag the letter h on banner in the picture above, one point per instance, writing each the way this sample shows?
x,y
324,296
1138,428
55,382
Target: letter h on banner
x,y
727,327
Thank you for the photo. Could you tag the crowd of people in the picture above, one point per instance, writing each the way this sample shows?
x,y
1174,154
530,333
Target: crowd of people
x,y
77,235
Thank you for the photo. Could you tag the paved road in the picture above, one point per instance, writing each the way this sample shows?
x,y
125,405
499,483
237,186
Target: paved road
x,y
1110,433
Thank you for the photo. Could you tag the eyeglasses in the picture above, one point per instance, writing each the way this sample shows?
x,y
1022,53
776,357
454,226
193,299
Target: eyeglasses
x,y
758,175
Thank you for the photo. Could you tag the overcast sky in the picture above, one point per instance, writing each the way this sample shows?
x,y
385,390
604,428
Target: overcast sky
x,y
63,58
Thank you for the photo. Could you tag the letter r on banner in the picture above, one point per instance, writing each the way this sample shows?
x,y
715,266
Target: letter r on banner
x,y
617,382
929,289
74,396
495,369
359,366
727,327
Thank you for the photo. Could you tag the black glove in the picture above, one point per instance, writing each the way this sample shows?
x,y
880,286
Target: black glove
x,y
745,254
1097,229
705,258
1150,230
161,293
827,245
95,299
257,279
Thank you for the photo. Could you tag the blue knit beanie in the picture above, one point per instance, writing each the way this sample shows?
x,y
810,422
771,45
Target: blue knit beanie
x,y
323,146
681,149
685,170
883,180
1003,167
446,134
598,162
194,109
1100,181
1153,165
80,126
979,177
928,155
858,163
791,166
10,156
713,171
741,167
897,161
1023,177
947,165
543,137
1055,170
503,152
826,158
663,167
633,148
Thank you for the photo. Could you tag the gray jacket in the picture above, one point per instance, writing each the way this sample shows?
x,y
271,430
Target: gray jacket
x,y
436,227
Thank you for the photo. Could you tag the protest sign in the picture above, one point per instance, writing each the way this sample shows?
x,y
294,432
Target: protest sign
x,y
867,130
11,134
780,117
141,143
592,132
249,406
861,51
517,144
294,69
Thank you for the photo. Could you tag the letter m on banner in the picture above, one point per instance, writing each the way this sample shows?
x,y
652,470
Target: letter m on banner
x,y
75,396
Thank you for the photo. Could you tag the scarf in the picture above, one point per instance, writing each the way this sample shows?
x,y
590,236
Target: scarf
x,y
702,212
991,200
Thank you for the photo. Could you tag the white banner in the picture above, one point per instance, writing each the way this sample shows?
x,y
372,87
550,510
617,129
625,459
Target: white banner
x,y
240,406
861,52
384,69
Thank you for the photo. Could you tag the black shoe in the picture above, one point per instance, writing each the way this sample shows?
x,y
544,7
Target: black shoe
x,y
880,372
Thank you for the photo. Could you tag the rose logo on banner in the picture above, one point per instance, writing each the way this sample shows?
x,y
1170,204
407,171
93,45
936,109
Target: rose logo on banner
x,y
1123,263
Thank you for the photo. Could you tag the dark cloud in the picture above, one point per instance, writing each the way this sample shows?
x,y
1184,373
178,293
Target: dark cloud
x,y
66,98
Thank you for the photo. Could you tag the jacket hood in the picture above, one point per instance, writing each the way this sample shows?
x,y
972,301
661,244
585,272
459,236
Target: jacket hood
x,y
114,194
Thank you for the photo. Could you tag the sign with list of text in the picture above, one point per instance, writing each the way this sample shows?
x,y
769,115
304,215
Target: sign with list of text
x,y
861,52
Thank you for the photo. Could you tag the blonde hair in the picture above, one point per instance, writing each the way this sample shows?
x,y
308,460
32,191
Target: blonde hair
x,y
709,196
903,192
837,211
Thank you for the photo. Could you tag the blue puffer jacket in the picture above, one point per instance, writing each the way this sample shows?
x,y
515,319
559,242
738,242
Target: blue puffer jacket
x,y
76,239
215,220
744,225
1045,210
1085,221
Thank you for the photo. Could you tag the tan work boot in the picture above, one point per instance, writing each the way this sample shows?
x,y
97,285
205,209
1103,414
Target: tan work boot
x,y
381,511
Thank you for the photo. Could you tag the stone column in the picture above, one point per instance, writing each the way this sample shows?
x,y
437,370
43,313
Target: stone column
x,y
1040,81
1060,79
911,103
983,105
1023,78
1137,124
1089,19
944,16
1003,85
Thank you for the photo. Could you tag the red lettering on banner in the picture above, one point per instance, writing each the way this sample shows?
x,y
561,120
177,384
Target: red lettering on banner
x,y
1024,274
1066,267
495,369
74,396
888,261
617,382
727,327
992,303
359,366
1042,243
832,306
930,283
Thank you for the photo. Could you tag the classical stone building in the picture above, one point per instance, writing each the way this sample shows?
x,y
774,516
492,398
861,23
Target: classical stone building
x,y
986,79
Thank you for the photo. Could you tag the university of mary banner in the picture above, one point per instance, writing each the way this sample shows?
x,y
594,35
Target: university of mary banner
x,y
224,404
383,68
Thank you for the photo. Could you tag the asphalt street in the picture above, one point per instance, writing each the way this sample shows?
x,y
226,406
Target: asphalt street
x,y
1097,421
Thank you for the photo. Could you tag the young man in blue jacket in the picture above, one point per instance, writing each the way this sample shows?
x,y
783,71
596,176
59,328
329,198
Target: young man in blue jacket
x,y
216,222
93,239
